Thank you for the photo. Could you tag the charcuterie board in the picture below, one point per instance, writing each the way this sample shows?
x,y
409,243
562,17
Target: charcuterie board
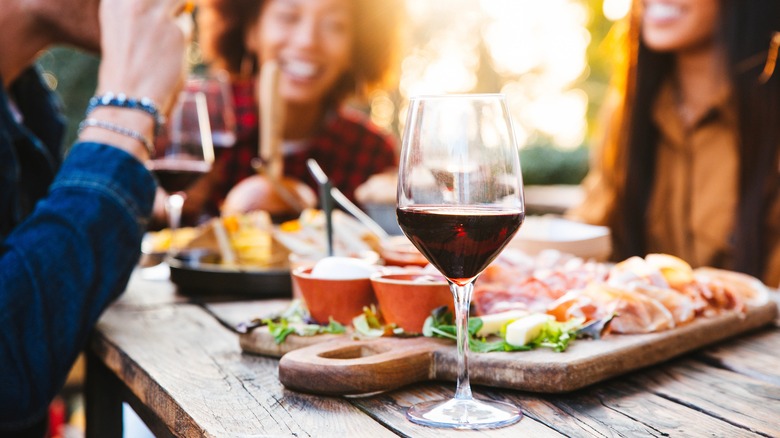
x,y
333,364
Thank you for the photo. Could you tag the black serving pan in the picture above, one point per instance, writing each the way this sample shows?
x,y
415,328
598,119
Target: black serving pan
x,y
197,272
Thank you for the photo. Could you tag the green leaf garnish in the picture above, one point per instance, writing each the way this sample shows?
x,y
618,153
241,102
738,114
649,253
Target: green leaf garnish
x,y
554,335
281,328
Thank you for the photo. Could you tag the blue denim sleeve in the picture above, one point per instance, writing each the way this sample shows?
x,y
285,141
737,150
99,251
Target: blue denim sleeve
x,y
61,267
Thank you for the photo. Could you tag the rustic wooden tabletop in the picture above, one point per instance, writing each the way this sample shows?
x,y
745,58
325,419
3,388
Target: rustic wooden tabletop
x,y
184,373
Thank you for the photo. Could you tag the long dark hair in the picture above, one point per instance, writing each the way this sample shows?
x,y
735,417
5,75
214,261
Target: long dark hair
x,y
745,28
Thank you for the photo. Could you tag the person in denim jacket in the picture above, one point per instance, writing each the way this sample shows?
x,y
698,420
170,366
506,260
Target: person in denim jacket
x,y
71,229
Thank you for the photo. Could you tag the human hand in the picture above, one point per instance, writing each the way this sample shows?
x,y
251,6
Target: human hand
x,y
143,46
143,49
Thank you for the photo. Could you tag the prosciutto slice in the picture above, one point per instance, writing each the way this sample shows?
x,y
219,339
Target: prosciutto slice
x,y
635,312
644,295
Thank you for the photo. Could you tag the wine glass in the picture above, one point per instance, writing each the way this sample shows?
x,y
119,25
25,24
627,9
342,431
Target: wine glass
x,y
460,201
219,98
185,156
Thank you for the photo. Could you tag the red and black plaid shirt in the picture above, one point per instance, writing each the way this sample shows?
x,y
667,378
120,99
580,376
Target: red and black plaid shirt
x,y
347,146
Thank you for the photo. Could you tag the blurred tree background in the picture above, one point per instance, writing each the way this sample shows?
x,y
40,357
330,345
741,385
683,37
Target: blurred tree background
x,y
73,75
548,57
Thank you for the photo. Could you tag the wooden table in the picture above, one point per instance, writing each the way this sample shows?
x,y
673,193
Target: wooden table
x,y
185,375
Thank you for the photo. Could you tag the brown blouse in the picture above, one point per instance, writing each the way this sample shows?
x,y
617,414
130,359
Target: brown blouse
x,y
694,195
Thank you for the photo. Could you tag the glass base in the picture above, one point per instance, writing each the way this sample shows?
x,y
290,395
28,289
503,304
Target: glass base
x,y
464,414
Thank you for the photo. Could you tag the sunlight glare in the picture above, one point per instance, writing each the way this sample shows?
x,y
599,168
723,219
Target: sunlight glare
x,y
535,53
615,10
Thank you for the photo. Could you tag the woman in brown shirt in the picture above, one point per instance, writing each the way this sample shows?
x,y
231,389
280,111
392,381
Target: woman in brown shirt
x,y
690,165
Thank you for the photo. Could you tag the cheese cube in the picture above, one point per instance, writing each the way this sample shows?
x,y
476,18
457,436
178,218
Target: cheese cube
x,y
492,324
524,330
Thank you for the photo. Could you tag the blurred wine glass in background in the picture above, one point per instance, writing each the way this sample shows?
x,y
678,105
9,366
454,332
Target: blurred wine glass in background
x,y
219,101
185,156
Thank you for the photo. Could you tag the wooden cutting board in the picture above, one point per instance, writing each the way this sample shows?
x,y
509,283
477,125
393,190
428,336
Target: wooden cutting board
x,y
337,365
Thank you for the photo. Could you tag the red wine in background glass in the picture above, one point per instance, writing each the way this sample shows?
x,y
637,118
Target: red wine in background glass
x,y
460,242
177,175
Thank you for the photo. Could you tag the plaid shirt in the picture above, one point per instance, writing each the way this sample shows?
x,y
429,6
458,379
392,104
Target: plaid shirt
x,y
347,146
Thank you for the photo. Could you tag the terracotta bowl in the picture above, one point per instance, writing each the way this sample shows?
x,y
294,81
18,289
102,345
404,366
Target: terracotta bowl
x,y
298,260
407,299
340,299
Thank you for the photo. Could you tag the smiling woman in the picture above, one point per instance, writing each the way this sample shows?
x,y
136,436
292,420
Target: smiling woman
x,y
232,35
689,166
681,26
327,51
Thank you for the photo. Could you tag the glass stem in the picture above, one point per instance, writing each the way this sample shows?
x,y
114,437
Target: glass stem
x,y
462,296
173,205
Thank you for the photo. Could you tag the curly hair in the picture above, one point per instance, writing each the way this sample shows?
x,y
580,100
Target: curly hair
x,y
375,50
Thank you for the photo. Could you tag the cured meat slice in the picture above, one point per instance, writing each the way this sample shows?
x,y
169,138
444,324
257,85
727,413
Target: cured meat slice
x,y
682,307
656,293
635,312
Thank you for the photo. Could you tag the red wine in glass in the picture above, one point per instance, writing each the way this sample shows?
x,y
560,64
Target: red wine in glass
x,y
186,156
178,175
461,243
460,201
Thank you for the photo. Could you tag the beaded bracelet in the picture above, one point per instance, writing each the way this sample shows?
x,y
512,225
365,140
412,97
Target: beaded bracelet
x,y
122,101
96,123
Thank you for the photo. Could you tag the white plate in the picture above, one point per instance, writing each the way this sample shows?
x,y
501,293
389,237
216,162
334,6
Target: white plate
x,y
539,233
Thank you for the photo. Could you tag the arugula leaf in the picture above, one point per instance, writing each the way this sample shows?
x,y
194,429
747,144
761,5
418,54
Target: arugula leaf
x,y
279,330
558,335
333,327
282,328
554,335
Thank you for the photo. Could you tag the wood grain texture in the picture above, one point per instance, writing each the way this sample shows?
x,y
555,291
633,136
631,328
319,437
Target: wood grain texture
x,y
312,368
390,408
260,341
756,355
743,401
629,410
175,360
619,408
189,370
234,313
347,367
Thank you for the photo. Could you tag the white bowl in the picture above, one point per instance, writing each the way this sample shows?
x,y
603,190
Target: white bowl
x,y
539,233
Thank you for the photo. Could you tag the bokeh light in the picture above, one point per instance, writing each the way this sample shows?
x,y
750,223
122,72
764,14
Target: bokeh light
x,y
533,51
616,9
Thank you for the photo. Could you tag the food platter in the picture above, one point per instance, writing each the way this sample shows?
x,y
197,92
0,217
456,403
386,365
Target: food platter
x,y
195,273
686,309
259,252
338,364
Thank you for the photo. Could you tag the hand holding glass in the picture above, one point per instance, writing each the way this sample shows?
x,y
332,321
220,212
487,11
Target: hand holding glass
x,y
460,201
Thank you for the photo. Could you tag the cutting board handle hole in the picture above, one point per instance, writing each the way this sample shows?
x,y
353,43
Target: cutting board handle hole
x,y
350,352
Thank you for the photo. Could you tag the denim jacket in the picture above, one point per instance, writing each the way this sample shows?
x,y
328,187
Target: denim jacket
x,y
70,234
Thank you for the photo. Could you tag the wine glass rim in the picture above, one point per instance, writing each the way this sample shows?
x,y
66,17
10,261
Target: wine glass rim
x,y
458,95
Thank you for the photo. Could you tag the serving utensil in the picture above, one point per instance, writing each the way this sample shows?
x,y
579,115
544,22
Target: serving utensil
x,y
359,214
271,109
223,242
271,121
326,200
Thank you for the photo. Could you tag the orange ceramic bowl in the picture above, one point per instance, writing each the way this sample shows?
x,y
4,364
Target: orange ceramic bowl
x,y
298,260
340,299
407,299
